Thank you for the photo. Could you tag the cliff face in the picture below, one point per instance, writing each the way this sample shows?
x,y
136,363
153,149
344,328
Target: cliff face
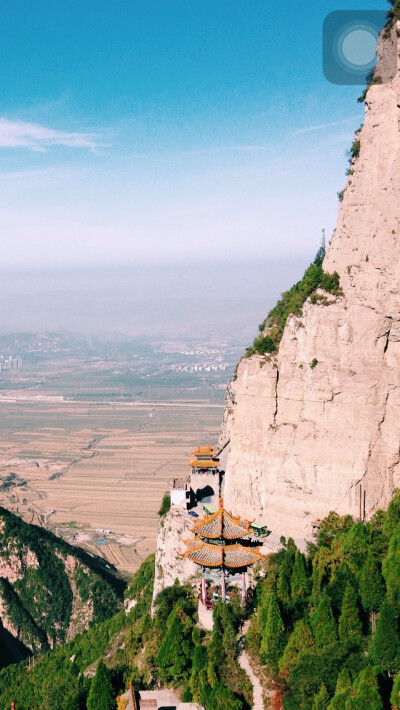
x,y
304,439
169,565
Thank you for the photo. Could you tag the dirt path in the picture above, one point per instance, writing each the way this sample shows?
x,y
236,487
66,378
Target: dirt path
x,y
258,701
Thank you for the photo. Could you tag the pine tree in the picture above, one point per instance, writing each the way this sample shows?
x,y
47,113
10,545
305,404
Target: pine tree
x,y
263,608
321,699
323,624
199,663
273,636
316,583
390,569
395,696
392,516
282,588
173,658
101,694
372,587
342,692
365,694
300,641
385,646
285,573
350,627
299,581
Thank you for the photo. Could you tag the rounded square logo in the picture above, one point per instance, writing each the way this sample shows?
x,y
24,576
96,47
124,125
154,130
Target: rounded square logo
x,y
349,45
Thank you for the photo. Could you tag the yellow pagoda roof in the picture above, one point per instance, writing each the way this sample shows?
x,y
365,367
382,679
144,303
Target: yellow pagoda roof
x,y
204,451
222,524
204,463
231,556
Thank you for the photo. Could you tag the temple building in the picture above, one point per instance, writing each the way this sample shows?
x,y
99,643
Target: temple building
x,y
217,549
204,460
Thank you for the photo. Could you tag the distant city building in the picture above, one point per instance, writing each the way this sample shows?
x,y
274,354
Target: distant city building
x,y
10,363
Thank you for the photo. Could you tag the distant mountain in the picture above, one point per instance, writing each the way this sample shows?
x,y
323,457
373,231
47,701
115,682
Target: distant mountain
x,y
49,590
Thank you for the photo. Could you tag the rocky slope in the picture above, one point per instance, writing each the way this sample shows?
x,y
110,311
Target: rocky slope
x,y
305,440
49,591
174,528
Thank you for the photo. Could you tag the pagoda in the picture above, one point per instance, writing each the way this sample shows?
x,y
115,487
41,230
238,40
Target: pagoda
x,y
216,547
205,460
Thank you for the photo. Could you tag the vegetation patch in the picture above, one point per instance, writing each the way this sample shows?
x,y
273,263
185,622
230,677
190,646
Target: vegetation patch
x,y
39,604
291,303
327,623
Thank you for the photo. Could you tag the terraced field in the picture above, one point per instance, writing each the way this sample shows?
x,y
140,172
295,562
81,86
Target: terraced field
x,y
82,469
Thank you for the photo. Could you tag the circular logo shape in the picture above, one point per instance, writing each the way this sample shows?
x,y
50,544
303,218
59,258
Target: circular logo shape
x,y
356,47
349,45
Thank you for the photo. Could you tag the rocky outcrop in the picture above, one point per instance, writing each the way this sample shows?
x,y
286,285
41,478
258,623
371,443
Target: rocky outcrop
x,y
174,528
308,439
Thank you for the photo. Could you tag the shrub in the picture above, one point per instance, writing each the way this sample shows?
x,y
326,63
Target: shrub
x,y
313,363
165,505
355,148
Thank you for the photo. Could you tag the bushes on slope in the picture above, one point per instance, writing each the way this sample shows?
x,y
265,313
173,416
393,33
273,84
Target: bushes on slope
x,y
330,653
291,303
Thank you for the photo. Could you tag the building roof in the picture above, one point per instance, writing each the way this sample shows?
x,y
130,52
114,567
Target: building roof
x,y
230,556
204,463
204,451
204,457
222,524
179,484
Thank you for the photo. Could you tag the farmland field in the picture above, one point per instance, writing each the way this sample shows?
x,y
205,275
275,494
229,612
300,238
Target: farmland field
x,y
93,471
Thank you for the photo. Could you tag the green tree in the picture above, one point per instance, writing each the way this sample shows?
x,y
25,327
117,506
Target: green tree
x,y
199,663
282,587
390,569
349,621
299,581
321,699
392,516
300,641
385,646
323,624
174,656
342,692
395,695
273,636
285,573
372,587
365,694
101,694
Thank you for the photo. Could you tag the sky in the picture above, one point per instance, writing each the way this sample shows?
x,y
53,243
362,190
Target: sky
x,y
167,131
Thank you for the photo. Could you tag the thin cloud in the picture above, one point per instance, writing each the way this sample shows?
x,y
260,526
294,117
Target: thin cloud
x,y
322,126
18,134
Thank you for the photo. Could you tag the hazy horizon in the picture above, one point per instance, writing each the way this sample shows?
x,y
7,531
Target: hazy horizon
x,y
183,300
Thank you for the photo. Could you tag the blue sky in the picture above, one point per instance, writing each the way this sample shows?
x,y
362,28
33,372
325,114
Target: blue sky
x,y
168,130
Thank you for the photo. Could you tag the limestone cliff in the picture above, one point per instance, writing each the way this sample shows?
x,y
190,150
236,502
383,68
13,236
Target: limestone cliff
x,y
175,527
304,439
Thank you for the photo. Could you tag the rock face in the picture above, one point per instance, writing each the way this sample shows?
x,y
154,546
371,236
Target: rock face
x,y
175,526
306,440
